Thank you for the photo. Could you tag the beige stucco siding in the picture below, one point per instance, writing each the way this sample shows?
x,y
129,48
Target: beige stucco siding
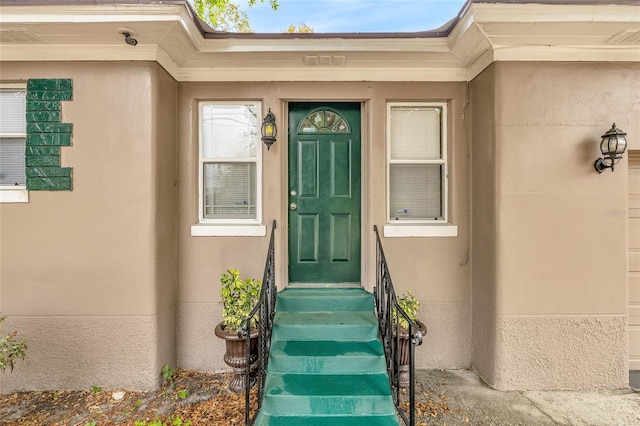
x,y
634,259
560,250
114,265
484,220
88,275
434,268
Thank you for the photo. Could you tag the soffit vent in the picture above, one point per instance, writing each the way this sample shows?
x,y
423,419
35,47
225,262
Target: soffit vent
x,y
324,60
19,35
625,37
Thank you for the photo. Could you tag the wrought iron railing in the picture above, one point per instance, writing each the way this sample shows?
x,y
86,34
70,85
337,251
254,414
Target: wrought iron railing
x,y
389,323
264,311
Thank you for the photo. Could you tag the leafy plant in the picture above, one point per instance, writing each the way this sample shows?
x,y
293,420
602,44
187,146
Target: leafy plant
x,y
302,28
93,423
168,374
96,389
133,408
409,304
175,421
183,394
225,15
11,349
238,299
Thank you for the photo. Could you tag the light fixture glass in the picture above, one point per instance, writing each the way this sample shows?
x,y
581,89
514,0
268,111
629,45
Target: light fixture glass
x,y
612,146
269,129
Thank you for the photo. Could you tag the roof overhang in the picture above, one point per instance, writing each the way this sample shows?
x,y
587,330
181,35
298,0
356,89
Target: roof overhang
x,y
168,32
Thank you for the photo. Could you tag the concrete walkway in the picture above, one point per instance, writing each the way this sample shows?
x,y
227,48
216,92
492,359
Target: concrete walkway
x,y
474,403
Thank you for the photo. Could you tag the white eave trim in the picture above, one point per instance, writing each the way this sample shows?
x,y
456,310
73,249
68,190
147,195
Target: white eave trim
x,y
230,45
567,53
514,12
168,63
553,54
25,52
91,13
308,74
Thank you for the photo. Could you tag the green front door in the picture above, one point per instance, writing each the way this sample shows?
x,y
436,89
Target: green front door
x,y
324,193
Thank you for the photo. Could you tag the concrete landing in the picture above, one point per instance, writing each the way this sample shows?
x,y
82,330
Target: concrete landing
x,y
474,403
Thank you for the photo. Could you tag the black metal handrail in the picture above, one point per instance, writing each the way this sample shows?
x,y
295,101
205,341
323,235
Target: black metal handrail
x,y
264,310
386,305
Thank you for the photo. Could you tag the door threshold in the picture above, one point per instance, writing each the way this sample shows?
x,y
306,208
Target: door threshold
x,y
324,285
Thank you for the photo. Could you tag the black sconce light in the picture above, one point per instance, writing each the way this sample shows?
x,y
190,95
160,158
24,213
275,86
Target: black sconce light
x,y
269,129
613,145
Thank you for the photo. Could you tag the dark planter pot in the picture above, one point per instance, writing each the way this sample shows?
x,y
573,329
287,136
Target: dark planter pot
x,y
236,357
403,355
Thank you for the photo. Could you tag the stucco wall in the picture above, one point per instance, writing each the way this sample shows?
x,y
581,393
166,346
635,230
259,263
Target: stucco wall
x,y
88,276
560,284
484,220
436,269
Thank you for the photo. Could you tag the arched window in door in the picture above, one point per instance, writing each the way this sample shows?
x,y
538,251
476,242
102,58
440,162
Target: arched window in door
x,y
324,121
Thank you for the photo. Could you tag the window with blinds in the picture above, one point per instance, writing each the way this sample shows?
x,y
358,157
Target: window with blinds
x,y
12,137
417,164
229,162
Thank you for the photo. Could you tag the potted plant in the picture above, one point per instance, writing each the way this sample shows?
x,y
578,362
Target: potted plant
x,y
238,299
409,304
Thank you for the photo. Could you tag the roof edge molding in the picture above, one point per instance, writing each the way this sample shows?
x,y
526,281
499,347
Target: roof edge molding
x,y
169,33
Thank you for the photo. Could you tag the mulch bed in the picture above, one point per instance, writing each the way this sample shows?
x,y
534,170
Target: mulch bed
x,y
199,398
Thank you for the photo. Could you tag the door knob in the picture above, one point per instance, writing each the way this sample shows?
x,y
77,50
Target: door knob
x,y
293,206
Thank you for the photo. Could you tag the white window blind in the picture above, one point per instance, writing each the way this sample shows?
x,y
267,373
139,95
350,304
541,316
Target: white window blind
x,y
12,111
12,162
416,133
415,191
12,137
229,162
229,131
417,168
230,190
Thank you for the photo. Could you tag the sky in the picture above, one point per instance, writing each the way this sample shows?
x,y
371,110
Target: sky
x,y
354,15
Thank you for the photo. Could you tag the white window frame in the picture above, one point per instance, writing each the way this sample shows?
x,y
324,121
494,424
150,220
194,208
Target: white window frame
x,y
228,227
14,193
421,227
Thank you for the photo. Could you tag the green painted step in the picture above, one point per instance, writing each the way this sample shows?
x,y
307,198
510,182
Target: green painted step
x,y
322,406
384,420
324,300
318,357
326,363
311,385
340,325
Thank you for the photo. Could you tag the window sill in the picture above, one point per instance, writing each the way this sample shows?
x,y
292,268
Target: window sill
x,y
14,196
420,230
205,230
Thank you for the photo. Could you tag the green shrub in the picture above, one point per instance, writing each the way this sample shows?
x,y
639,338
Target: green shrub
x,y
11,349
168,374
409,304
238,299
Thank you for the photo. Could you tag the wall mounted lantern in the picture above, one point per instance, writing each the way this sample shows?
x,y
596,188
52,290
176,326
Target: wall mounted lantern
x,y
269,129
613,145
